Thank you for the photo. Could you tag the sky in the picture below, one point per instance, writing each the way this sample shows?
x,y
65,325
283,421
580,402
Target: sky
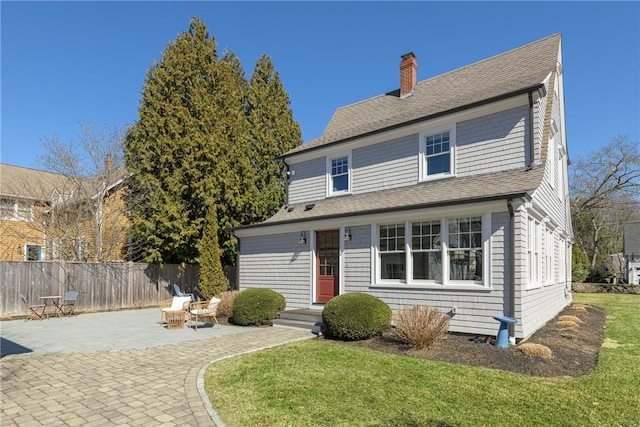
x,y
66,63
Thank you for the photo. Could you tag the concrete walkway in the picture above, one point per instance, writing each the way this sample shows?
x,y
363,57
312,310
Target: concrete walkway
x,y
118,368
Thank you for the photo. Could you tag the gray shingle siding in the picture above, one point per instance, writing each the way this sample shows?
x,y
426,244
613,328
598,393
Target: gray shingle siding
x,y
491,143
277,262
308,182
390,164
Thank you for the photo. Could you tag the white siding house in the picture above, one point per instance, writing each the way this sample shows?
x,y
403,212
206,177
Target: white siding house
x,y
450,192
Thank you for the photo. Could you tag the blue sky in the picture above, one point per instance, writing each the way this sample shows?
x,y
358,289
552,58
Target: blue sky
x,y
68,62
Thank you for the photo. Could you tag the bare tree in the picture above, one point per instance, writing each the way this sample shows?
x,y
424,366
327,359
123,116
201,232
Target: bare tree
x,y
605,189
85,219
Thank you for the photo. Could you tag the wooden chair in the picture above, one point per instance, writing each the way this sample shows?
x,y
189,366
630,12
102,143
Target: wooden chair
x,y
204,310
68,305
35,311
175,313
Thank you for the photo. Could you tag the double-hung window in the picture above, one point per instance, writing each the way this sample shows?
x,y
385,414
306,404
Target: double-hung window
x,y
19,210
465,248
533,251
392,252
339,174
437,152
426,249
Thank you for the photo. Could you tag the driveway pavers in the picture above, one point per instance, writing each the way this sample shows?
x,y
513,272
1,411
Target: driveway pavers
x,y
139,385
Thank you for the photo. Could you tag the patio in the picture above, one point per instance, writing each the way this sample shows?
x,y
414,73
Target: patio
x,y
106,331
117,368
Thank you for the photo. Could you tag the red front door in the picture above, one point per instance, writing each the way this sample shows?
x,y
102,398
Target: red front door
x,y
327,264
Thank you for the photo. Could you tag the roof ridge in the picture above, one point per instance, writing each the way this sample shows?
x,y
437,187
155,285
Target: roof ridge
x,y
506,52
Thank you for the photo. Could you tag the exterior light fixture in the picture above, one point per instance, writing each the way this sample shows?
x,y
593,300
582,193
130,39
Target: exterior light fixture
x,y
303,239
347,234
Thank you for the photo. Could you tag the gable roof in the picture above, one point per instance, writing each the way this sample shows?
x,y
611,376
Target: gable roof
x,y
512,184
27,183
33,184
508,74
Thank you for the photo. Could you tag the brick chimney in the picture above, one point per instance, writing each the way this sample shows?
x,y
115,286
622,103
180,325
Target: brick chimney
x,y
408,74
108,163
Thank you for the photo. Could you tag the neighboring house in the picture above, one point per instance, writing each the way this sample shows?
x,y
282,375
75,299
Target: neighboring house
x,y
48,216
632,252
451,192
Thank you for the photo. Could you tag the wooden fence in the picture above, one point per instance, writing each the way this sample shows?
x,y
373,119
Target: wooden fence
x,y
102,286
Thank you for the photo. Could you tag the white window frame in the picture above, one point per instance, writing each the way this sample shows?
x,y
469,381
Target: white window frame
x,y
534,263
424,173
329,176
14,208
408,281
27,248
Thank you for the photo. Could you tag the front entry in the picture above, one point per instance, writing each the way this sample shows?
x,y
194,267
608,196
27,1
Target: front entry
x,y
327,265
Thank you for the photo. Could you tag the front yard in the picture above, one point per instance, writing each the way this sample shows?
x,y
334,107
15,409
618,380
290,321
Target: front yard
x,y
320,382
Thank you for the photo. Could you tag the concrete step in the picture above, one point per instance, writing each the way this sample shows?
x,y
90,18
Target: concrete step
x,y
310,320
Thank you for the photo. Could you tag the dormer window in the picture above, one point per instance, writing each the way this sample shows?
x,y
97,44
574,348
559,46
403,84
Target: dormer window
x,y
339,174
437,151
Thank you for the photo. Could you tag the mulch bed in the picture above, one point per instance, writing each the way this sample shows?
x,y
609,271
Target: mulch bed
x,y
575,353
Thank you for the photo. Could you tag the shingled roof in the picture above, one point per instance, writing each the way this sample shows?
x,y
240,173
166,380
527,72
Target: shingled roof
x,y
516,71
26,183
455,190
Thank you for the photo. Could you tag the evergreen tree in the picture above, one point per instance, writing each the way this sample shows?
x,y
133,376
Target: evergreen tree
x,y
212,279
273,132
205,140
173,149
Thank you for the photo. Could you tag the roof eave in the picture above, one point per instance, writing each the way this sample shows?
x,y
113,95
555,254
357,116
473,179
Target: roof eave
x,y
492,198
502,97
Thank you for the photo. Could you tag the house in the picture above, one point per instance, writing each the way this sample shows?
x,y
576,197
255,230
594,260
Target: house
x,y
632,252
450,192
49,216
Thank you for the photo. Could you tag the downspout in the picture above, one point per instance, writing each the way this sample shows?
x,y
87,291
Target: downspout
x,y
531,145
512,271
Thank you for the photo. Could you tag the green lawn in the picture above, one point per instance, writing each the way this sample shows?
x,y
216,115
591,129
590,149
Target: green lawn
x,y
313,383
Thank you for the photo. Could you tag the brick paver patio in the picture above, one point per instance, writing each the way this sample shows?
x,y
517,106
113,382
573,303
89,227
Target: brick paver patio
x,y
156,386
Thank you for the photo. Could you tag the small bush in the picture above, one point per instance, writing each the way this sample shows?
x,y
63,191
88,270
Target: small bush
x,y
419,326
579,310
536,350
257,307
225,306
567,324
570,319
355,316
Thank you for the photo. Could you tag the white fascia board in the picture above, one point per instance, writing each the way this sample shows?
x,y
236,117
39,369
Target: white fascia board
x,y
457,117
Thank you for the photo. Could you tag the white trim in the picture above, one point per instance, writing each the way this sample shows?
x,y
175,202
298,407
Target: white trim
x,y
328,175
408,282
422,153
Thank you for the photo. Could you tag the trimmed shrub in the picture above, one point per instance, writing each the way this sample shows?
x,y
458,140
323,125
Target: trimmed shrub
x,y
419,326
567,324
355,316
257,307
225,306
536,350
570,319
